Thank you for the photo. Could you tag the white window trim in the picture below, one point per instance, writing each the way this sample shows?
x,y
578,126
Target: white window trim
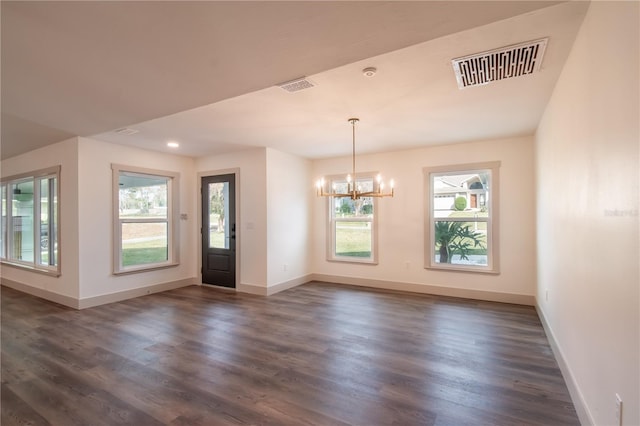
x,y
36,265
331,243
493,237
173,221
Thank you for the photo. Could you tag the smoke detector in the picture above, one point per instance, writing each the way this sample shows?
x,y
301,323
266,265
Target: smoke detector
x,y
499,64
369,71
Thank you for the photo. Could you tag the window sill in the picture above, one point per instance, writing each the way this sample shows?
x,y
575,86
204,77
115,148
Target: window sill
x,y
463,268
353,261
50,272
145,269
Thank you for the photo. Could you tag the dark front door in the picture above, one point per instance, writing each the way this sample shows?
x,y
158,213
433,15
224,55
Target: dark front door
x,y
219,230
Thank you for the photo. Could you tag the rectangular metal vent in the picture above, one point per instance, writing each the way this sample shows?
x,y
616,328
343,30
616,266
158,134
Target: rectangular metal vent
x,y
296,85
499,64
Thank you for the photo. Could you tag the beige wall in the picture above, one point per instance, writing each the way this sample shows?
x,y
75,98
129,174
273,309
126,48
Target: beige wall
x,y
587,213
290,192
401,222
95,224
86,224
64,154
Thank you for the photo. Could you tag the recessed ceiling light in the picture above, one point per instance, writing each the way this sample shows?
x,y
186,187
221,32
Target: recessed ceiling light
x,y
173,144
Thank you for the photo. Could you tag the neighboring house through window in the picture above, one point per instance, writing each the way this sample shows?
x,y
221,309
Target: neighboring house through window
x,y
461,226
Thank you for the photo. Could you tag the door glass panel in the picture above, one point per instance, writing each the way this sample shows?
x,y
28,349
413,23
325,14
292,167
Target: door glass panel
x,y
219,234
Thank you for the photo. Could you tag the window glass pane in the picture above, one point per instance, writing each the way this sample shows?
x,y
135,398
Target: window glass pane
x,y
346,207
22,212
144,243
460,243
53,236
353,239
45,230
144,234
142,196
353,221
28,220
48,245
461,227
218,206
461,194
3,222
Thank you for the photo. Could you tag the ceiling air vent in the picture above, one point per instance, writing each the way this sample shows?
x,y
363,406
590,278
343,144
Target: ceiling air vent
x,y
296,85
498,64
126,131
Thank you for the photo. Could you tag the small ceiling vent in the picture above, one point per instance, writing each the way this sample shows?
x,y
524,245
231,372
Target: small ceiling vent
x,y
126,131
296,85
506,62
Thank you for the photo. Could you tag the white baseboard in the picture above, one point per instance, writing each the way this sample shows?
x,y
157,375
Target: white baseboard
x,y
251,289
90,302
69,301
268,291
288,284
576,396
492,296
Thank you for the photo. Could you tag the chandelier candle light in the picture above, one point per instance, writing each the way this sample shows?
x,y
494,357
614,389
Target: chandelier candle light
x,y
353,189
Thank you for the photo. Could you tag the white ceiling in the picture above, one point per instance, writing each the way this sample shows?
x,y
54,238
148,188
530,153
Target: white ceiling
x,y
204,73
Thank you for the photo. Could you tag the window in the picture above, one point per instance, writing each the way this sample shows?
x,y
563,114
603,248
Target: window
x,y
352,235
462,217
29,220
145,212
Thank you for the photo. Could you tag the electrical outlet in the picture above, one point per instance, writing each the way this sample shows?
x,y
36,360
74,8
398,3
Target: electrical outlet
x,y
407,265
546,295
618,410
285,267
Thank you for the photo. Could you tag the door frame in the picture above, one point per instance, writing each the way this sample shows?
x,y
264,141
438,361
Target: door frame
x,y
236,173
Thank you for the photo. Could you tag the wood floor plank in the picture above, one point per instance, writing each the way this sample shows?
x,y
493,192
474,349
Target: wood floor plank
x,y
317,354
15,411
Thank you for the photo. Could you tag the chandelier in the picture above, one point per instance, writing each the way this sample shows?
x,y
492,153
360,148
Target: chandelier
x,y
354,191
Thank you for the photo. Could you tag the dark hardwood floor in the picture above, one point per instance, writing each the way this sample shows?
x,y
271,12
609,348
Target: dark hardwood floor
x,y
320,354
